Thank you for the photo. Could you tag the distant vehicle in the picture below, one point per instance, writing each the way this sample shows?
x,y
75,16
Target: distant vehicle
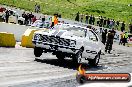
x,y
66,40
15,18
40,24
2,9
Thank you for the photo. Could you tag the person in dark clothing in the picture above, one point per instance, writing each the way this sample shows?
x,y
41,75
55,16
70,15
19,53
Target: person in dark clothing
x,y
87,17
30,18
77,17
26,18
59,15
109,42
90,19
117,23
130,28
101,21
93,20
43,19
98,21
104,33
108,23
7,14
123,26
23,14
105,22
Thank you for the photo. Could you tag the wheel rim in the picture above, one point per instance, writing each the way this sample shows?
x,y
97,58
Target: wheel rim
x,y
97,59
79,57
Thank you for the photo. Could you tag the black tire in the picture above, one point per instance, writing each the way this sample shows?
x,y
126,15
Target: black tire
x,y
95,61
38,51
81,79
20,22
77,57
60,56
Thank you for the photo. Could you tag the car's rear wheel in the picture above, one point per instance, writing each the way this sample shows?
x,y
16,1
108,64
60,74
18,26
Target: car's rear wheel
x,y
77,57
95,61
60,56
38,51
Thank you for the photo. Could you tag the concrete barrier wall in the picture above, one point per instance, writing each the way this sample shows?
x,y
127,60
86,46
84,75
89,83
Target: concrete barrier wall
x,y
17,30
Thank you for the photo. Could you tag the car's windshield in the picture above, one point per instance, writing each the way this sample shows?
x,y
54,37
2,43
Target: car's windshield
x,y
77,31
80,32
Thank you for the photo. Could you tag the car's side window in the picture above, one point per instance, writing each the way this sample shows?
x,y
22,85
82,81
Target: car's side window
x,y
92,36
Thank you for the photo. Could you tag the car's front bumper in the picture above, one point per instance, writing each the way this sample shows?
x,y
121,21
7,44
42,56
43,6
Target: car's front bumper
x,y
53,48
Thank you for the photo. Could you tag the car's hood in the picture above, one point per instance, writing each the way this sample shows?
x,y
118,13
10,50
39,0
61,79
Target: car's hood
x,y
45,32
59,33
66,34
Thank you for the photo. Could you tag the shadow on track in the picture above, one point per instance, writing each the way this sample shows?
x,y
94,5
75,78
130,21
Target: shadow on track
x,y
70,64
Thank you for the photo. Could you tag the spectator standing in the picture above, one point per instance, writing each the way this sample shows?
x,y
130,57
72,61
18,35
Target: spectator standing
x,y
30,18
77,17
104,33
101,21
59,15
109,42
38,8
121,38
7,14
26,18
35,7
81,18
125,38
117,24
123,26
93,20
98,21
34,19
43,19
130,28
111,24
23,14
90,19
108,23
54,20
87,17
105,22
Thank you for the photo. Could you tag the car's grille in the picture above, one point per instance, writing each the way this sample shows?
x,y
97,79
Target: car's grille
x,y
56,40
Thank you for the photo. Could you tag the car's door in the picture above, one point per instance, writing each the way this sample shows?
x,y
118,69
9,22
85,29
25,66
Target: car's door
x,y
91,45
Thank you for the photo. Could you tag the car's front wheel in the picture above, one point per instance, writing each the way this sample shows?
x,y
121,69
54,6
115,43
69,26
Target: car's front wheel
x,y
38,51
77,57
95,61
60,56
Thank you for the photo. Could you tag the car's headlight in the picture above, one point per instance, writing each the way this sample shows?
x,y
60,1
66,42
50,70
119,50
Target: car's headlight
x,y
72,43
37,37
